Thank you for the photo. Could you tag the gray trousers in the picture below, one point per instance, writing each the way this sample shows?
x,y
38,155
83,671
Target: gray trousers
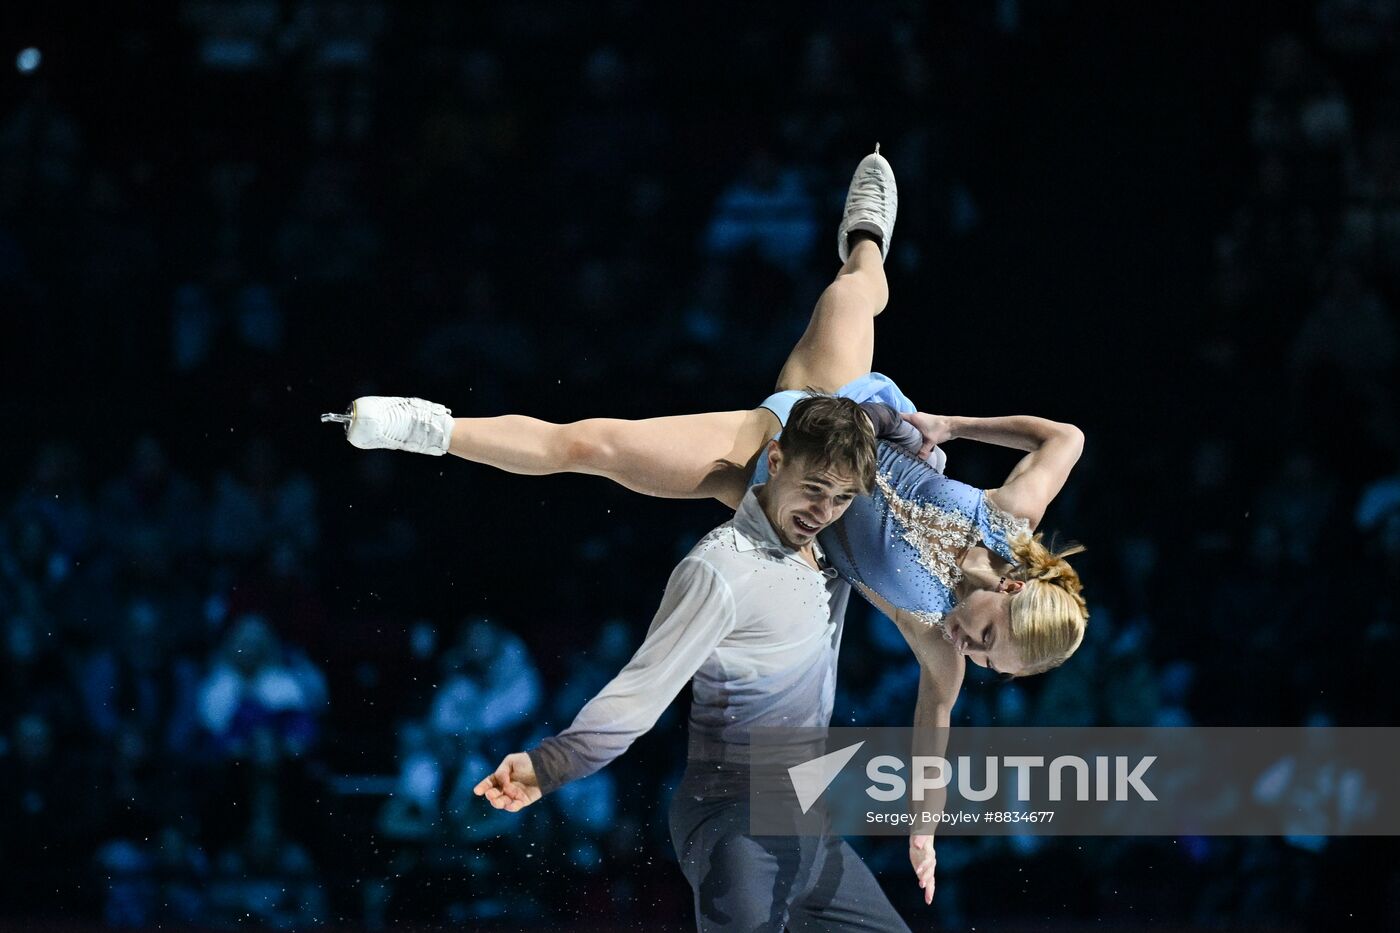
x,y
763,884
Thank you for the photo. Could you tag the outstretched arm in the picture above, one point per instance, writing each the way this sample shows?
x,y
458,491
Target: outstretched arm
x,y
696,613
932,717
1052,449
940,682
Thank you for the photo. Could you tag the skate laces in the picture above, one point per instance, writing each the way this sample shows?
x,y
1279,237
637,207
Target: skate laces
x,y
869,193
400,426
405,420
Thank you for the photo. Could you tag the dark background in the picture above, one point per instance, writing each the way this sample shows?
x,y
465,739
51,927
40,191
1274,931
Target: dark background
x,y
251,672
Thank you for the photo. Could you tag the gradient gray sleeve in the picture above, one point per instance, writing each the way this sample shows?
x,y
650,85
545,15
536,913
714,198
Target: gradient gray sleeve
x,y
891,428
697,612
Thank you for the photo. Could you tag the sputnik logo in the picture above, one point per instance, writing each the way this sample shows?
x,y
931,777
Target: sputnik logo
x,y
811,778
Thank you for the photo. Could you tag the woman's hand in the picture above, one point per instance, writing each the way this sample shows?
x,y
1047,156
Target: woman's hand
x,y
922,858
935,429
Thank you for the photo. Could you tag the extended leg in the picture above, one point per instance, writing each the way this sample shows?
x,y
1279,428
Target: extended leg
x,y
680,457
839,344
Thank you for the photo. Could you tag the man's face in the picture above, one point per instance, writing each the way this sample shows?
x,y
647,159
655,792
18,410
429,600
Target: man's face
x,y
801,500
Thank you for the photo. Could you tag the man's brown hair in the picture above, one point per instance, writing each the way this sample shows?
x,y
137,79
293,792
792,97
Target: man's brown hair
x,y
827,432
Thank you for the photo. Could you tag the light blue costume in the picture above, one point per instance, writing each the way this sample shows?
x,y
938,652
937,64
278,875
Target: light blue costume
x,y
903,541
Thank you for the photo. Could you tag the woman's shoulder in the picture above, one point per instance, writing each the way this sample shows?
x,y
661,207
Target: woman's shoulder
x,y
1001,527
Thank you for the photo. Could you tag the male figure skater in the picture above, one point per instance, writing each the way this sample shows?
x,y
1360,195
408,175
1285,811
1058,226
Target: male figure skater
x,y
752,616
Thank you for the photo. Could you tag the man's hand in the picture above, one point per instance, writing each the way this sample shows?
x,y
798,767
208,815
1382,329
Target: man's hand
x,y
935,429
513,786
922,858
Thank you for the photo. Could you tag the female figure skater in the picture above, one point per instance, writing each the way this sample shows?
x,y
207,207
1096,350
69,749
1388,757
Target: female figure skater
x,y
958,569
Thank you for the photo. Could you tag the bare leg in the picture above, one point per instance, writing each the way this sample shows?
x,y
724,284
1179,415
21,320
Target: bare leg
x,y
683,457
695,456
839,344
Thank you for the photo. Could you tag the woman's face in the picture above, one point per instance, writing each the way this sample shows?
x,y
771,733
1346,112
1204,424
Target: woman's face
x,y
982,631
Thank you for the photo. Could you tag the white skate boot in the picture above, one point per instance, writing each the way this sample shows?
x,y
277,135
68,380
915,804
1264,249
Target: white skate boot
x,y
871,204
393,423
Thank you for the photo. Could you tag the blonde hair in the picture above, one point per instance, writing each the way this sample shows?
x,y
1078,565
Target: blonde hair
x,y
1048,615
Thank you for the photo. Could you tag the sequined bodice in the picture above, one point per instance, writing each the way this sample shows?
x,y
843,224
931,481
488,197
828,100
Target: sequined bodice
x,y
903,541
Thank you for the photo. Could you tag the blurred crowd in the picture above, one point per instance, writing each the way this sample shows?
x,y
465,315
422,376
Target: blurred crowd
x,y
252,674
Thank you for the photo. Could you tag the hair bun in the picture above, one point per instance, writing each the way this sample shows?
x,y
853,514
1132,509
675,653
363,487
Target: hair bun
x,y
1047,564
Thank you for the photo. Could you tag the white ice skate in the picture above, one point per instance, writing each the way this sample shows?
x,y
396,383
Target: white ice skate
x,y
389,422
871,204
